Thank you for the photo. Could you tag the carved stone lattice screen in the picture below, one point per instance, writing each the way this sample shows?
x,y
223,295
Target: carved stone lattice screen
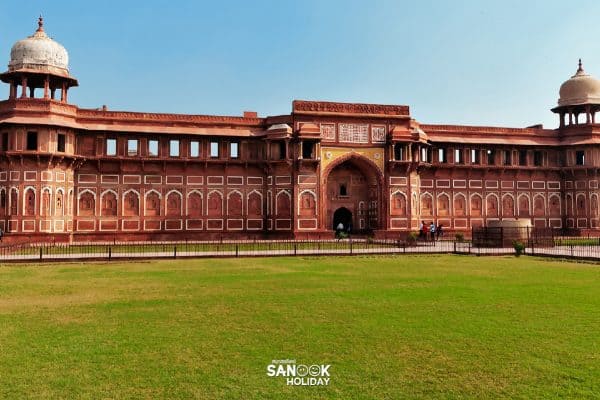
x,y
353,133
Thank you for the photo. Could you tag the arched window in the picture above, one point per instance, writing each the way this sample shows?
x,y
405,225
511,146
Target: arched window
x,y
131,204
87,204
283,206
59,203
234,204
109,203
194,204
215,204
254,204
14,201
152,203
29,202
174,204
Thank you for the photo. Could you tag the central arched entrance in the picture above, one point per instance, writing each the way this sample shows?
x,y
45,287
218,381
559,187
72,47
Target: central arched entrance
x,y
344,216
353,194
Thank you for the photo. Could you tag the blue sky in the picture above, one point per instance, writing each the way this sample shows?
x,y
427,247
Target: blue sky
x,y
462,62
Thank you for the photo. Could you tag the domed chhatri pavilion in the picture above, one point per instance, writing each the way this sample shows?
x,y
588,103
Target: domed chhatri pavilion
x,y
68,173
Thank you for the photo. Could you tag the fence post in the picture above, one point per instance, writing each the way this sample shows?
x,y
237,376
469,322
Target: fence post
x,y
40,252
109,253
236,249
571,252
295,248
350,246
175,251
454,246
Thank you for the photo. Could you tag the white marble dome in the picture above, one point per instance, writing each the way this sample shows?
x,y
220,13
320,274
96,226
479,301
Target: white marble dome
x,y
581,88
39,52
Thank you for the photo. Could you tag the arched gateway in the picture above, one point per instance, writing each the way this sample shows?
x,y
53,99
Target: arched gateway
x,y
353,195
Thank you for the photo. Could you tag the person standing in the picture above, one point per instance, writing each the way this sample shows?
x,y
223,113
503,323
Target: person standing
x,y
439,232
425,232
432,231
338,230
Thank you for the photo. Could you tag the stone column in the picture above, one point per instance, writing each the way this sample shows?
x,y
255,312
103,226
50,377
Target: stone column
x,y
570,118
13,90
562,119
46,87
23,87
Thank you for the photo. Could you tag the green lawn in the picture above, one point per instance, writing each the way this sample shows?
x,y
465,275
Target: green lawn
x,y
391,328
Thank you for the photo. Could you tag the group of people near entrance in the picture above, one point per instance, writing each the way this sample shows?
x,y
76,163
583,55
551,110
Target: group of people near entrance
x,y
430,230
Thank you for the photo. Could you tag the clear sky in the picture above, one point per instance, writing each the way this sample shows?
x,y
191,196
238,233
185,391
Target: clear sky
x,y
456,62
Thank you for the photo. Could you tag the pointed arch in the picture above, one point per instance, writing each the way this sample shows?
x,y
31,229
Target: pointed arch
x,y
283,201
307,203
194,204
214,202
539,205
86,203
492,205
152,200
460,204
254,203
443,204
131,203
476,205
29,203
362,208
108,203
235,203
397,203
59,202
13,201
426,204
174,203
581,204
524,205
508,205
569,204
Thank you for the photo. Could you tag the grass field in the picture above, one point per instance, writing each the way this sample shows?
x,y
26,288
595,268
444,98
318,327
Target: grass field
x,y
391,328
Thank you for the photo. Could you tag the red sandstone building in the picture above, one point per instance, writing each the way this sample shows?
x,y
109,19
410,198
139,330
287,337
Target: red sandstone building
x,y
68,173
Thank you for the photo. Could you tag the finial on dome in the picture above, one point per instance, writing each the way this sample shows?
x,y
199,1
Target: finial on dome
x,y
580,66
40,24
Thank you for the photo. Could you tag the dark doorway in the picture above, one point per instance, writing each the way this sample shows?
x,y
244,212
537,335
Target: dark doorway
x,y
344,216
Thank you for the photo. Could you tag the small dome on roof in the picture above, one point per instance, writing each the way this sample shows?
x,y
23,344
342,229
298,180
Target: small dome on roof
x,y
39,52
581,88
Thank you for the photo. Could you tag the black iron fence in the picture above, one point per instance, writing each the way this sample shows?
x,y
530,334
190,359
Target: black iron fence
x,y
576,247
122,250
